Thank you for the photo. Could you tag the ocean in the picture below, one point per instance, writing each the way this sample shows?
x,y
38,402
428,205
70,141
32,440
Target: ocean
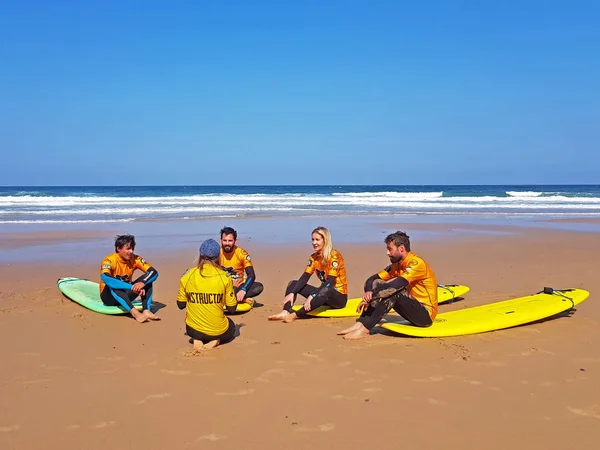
x,y
93,204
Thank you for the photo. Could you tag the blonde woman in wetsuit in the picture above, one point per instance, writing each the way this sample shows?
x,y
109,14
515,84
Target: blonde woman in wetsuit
x,y
331,271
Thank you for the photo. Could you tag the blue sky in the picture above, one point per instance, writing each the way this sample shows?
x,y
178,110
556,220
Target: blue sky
x,y
312,92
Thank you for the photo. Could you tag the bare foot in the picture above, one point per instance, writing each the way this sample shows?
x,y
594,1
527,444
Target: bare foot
x,y
354,327
141,318
150,315
290,318
358,334
279,316
211,344
198,346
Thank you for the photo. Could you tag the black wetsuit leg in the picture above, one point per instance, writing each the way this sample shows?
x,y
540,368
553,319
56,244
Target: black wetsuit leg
x,y
254,291
403,303
305,292
125,297
325,296
223,338
118,297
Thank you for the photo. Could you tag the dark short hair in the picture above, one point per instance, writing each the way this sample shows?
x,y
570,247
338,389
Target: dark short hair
x,y
123,240
228,230
399,238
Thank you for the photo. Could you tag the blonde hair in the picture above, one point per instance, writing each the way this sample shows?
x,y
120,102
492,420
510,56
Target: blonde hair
x,y
327,244
203,260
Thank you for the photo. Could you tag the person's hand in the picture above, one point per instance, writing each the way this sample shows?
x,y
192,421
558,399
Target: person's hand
x,y
241,295
238,282
362,306
307,305
138,287
288,299
368,296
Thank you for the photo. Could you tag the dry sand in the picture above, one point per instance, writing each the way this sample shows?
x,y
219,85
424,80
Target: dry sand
x,y
74,379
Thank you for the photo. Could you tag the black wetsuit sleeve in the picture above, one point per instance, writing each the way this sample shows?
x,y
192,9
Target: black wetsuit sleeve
x,y
250,278
181,305
150,275
396,283
301,282
231,309
369,282
330,281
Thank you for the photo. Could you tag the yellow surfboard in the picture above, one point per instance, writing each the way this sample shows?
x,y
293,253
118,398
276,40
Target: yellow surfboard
x,y
446,293
243,307
495,316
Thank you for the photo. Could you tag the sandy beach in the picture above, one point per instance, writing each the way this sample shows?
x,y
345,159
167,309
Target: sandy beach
x,y
75,379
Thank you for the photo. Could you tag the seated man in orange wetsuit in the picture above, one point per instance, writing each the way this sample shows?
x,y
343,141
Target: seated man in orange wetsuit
x,y
237,262
116,285
408,285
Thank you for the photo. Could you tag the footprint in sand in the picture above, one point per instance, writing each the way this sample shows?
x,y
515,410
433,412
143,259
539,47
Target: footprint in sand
x,y
136,365
100,425
153,396
56,367
208,437
177,372
245,341
242,392
341,397
264,377
293,363
587,360
72,427
535,350
373,380
586,412
392,361
310,355
10,428
344,363
30,354
39,381
433,378
110,358
323,428
492,364
473,382
433,401
372,389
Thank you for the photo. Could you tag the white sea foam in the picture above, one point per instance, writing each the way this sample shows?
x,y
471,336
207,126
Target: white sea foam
x,y
524,193
90,208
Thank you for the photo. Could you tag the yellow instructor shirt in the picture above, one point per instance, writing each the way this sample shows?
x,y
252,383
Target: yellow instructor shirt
x,y
206,295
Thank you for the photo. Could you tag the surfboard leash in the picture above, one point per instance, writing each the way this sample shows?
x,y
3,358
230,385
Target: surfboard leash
x,y
441,286
559,292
